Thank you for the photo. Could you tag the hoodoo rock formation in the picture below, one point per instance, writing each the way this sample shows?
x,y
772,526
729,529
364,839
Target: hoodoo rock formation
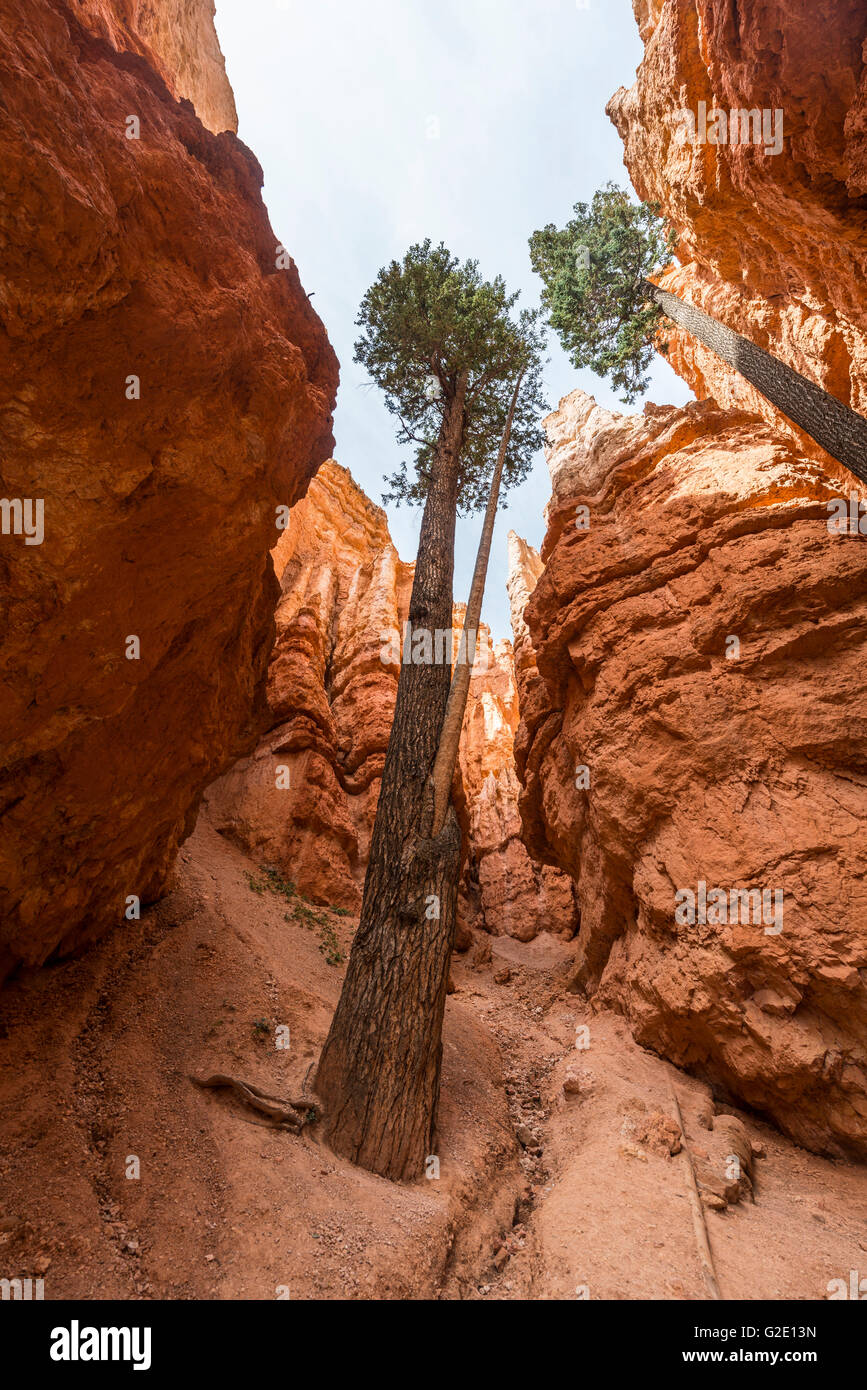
x,y
167,387
699,638
504,891
305,801
774,245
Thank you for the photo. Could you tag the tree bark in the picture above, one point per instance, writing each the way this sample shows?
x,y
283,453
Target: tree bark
x,y
841,432
450,737
379,1072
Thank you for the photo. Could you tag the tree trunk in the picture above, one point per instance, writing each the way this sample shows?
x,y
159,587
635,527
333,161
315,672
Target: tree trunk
x,y
450,737
841,432
379,1072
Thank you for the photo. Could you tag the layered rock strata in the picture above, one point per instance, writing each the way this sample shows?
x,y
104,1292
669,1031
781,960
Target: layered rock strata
x,y
304,803
504,891
696,651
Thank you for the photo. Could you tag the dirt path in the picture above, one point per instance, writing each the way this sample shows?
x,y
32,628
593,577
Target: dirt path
x,y
118,1178
610,1214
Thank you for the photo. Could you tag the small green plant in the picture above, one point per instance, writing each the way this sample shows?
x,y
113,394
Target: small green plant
x,y
329,944
283,886
304,913
261,1029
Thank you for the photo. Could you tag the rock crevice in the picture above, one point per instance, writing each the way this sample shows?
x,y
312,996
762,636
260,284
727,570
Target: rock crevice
x,y
305,802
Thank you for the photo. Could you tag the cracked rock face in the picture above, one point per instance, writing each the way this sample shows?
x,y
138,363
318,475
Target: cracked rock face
x,y
775,246
699,648
166,388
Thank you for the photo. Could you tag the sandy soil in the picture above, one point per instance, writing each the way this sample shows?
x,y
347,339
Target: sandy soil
x,y
541,1194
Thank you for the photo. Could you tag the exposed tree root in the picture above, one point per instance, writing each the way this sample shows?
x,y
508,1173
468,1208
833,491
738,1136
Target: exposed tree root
x,y
705,1254
286,1114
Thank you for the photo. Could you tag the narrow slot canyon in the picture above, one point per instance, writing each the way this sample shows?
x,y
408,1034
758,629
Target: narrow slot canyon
x,y
659,961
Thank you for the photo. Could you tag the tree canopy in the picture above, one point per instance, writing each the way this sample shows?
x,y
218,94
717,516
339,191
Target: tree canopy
x,y
426,320
593,272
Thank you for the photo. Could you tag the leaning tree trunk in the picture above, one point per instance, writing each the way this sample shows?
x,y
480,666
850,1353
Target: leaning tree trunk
x,y
841,432
379,1072
450,738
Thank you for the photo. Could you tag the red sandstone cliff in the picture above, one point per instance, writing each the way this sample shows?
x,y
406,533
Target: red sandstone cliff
x,y
149,258
331,696
708,764
179,41
737,766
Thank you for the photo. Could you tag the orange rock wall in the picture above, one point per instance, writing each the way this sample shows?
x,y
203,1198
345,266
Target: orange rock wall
x,y
150,258
701,650
330,695
504,891
179,41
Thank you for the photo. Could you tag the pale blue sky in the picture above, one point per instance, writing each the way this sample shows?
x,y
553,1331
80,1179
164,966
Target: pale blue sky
x,y
470,121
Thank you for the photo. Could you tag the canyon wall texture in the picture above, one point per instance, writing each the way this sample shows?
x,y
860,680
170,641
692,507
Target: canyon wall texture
x,y
179,41
305,801
166,388
773,245
331,697
698,647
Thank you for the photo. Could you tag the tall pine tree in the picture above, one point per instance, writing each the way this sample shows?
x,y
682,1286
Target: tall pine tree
x,y
446,347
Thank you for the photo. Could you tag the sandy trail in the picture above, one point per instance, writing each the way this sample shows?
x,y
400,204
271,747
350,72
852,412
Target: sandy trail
x,y
540,1194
